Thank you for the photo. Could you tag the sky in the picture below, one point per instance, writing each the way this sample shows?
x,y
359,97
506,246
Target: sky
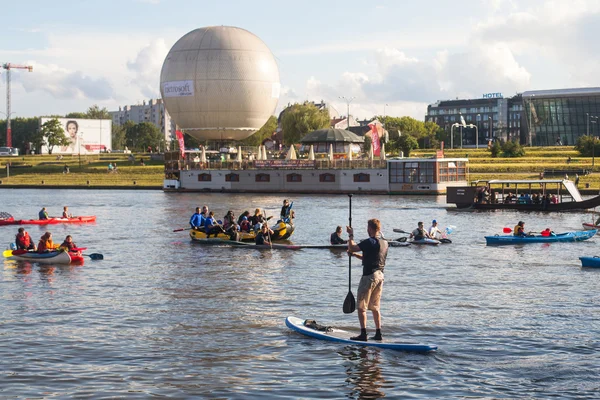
x,y
393,56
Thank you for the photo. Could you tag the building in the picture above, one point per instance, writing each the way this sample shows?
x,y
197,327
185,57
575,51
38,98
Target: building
x,y
153,111
560,116
474,122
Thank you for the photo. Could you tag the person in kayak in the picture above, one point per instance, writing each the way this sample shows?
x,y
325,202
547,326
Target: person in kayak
x,y
45,244
212,226
43,214
547,232
68,244
336,237
284,215
434,231
197,220
23,240
263,236
245,224
65,213
241,217
520,229
257,219
420,233
374,253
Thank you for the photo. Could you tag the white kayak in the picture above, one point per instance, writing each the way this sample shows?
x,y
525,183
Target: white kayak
x,y
53,257
341,336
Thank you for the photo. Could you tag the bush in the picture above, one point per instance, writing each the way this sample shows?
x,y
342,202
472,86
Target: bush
x,y
495,149
512,149
587,146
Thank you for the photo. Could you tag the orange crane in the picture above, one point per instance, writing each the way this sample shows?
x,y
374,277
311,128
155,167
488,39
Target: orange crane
x,y
8,67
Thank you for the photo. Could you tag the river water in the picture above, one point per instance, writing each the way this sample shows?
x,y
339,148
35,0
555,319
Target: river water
x,y
162,317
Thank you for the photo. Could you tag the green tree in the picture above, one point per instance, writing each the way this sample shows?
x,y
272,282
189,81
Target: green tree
x,y
118,136
512,148
300,119
263,133
407,143
24,130
143,135
95,112
54,134
76,115
587,145
368,143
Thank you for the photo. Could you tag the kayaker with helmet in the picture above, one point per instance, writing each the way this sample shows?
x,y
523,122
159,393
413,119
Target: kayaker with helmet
x,y
45,244
420,233
23,240
434,231
43,214
374,253
520,229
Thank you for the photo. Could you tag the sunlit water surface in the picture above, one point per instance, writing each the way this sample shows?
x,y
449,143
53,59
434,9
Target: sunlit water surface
x,y
162,317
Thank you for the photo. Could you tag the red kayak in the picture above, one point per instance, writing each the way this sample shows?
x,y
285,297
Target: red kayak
x,y
49,221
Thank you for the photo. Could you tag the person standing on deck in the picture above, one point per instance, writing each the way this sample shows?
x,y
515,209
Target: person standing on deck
x,y
374,251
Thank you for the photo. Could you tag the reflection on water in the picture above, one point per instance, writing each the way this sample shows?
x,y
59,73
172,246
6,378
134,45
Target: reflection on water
x,y
160,316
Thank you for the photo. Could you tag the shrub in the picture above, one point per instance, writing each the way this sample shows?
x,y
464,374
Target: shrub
x,y
512,149
495,149
587,146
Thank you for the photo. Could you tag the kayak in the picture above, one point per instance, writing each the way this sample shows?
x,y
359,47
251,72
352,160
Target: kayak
x,y
341,336
593,262
575,236
589,227
53,257
427,241
49,221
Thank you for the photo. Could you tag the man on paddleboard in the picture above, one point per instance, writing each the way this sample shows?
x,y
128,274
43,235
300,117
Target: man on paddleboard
x,y
374,252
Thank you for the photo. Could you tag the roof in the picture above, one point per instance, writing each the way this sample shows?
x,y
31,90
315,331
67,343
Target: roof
x,y
563,92
332,135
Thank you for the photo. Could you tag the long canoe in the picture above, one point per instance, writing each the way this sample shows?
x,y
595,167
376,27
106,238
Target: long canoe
x,y
49,221
576,236
53,257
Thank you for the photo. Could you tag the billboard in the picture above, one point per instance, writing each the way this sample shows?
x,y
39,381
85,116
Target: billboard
x,y
87,136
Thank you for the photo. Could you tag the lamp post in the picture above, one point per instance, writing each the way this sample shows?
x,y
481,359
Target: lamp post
x,y
80,136
452,134
476,134
477,137
594,120
348,101
490,129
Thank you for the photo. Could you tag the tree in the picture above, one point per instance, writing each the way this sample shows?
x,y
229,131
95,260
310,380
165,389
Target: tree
x,y
76,115
54,134
300,119
24,131
144,135
263,133
367,144
95,112
118,135
406,143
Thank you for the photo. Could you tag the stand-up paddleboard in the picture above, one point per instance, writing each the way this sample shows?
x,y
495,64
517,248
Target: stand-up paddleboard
x,y
341,336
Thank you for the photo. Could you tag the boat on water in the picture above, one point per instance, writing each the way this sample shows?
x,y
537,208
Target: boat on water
x,y
576,236
49,221
590,262
52,257
549,195
281,231
589,227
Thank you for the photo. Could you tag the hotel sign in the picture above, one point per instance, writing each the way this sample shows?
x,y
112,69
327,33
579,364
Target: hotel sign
x,y
492,95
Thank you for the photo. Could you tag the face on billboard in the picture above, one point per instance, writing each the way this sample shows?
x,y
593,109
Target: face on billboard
x,y
72,128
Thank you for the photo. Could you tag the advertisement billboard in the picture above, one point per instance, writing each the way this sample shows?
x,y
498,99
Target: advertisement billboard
x,y
87,136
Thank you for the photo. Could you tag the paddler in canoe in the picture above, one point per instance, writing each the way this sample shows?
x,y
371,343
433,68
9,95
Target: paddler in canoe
x,y
336,237
23,240
264,235
434,231
43,214
374,253
45,244
65,213
420,233
68,244
519,229
196,220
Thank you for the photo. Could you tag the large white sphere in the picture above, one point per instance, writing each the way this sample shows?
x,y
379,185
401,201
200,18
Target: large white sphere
x,y
220,82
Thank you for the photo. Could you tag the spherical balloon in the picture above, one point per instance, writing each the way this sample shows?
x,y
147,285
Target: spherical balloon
x,y
220,82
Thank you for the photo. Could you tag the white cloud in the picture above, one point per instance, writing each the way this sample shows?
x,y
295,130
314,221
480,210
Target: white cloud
x,y
146,68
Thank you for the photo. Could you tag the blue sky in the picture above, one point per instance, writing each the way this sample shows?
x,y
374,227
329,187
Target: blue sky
x,y
396,56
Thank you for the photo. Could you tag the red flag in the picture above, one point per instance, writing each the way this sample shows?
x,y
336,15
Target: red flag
x,y
375,140
181,144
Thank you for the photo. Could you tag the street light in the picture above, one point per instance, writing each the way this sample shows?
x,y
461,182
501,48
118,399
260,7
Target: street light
x,y
452,134
348,101
80,136
594,120
490,129
477,138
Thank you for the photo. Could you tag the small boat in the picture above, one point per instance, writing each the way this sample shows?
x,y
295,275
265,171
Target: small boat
x,y
281,231
589,227
576,236
593,262
49,221
53,257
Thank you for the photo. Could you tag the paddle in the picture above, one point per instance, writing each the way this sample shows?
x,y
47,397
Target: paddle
x,y
7,253
95,256
268,230
349,303
507,230
180,229
401,231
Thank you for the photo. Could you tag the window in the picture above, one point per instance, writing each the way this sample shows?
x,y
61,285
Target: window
x,y
362,177
326,178
263,178
232,177
294,177
204,178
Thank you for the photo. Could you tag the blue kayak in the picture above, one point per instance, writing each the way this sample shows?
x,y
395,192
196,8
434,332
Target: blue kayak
x,y
341,336
576,236
593,262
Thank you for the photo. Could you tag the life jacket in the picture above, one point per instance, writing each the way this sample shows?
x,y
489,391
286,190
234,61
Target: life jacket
x,y
518,231
245,226
44,245
23,240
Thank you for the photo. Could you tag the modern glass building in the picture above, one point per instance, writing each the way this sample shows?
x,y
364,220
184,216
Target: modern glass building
x,y
560,116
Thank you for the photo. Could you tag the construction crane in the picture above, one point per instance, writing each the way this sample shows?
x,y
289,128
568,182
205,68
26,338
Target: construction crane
x,y
8,67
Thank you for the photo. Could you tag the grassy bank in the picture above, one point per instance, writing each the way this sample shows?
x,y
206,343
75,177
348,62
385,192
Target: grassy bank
x,y
93,169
